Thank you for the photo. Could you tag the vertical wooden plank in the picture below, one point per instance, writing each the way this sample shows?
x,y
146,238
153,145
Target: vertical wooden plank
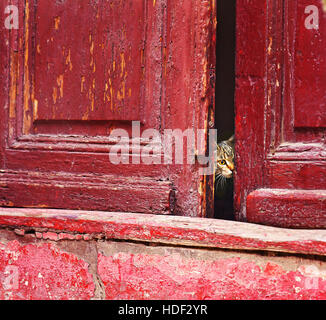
x,y
250,99
284,119
189,90
4,79
310,65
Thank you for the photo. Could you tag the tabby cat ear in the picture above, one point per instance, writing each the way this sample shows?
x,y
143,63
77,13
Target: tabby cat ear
x,y
231,139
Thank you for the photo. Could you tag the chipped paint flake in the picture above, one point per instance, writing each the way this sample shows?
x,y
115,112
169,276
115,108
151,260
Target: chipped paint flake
x,y
200,188
68,60
14,75
57,23
55,94
27,117
123,64
82,82
35,109
269,97
111,94
269,49
60,80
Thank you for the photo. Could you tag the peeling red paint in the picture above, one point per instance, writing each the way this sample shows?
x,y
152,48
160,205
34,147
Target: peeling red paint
x,y
47,269
185,231
68,92
280,114
41,272
141,276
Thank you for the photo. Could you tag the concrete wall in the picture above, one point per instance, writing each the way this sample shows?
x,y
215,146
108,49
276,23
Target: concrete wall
x,y
50,265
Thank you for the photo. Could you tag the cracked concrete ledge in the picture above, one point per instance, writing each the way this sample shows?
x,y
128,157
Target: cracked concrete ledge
x,y
99,269
60,225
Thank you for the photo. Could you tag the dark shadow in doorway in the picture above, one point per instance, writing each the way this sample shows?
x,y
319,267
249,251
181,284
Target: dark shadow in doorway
x,y
225,88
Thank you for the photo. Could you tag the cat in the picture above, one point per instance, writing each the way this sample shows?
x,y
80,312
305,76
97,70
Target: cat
x,y
224,166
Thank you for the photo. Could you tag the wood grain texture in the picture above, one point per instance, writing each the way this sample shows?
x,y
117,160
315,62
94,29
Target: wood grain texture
x,y
310,65
288,208
86,191
74,72
280,130
181,231
105,76
296,175
249,100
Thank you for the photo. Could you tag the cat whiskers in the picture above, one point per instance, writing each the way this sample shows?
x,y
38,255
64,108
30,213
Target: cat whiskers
x,y
220,180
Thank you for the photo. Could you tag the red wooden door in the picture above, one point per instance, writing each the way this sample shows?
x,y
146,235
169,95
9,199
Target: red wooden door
x,y
281,113
76,70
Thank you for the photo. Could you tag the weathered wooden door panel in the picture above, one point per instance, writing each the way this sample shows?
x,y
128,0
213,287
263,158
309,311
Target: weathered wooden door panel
x,y
74,71
291,110
309,63
89,51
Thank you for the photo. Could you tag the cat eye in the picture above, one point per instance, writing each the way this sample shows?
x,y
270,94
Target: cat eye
x,y
222,162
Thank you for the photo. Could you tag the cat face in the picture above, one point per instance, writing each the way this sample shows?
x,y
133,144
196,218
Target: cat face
x,y
225,159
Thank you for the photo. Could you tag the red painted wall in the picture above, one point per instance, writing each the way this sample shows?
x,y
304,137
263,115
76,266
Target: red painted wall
x,y
45,260
49,270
